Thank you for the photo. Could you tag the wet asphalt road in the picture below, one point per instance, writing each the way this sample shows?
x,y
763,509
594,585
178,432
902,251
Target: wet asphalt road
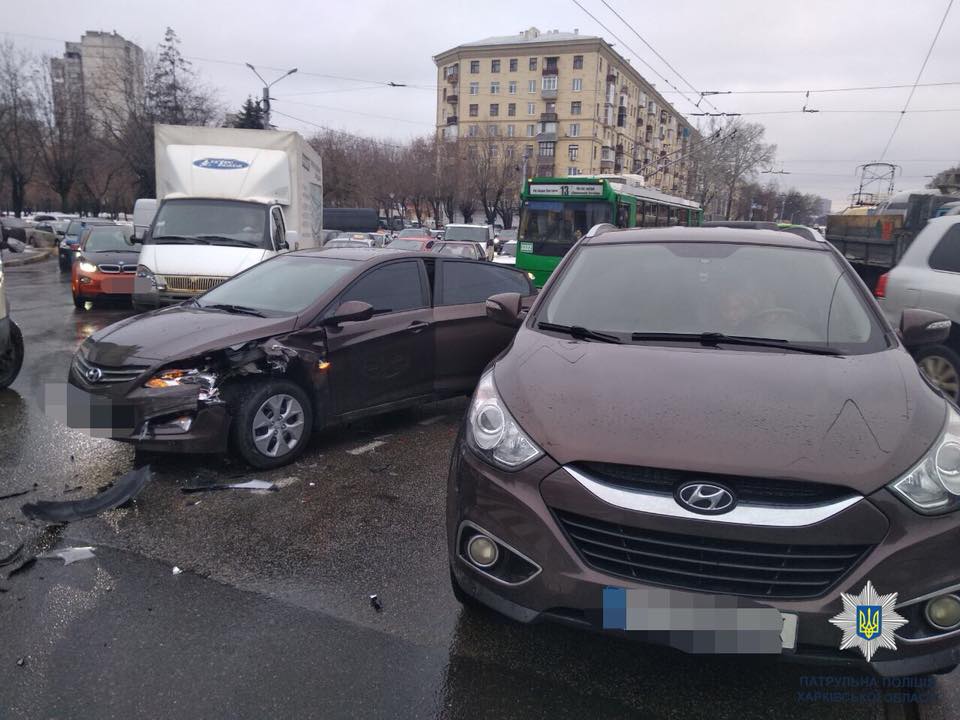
x,y
271,617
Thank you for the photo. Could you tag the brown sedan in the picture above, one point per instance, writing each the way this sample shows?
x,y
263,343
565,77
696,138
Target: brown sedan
x,y
702,437
293,344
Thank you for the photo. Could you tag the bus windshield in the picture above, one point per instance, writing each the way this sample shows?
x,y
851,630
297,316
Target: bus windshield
x,y
553,226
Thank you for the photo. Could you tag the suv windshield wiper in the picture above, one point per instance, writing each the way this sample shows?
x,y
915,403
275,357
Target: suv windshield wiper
x,y
715,338
179,239
580,333
224,240
239,309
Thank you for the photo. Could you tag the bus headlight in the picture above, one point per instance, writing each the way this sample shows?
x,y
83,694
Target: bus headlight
x,y
493,433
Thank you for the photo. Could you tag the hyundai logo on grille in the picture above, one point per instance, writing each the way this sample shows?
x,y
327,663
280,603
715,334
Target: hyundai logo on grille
x,y
93,374
706,498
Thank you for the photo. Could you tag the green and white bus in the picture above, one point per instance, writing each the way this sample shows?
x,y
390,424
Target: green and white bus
x,y
555,212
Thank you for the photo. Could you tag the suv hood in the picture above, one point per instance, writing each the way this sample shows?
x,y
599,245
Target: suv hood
x,y
858,421
110,257
213,260
177,332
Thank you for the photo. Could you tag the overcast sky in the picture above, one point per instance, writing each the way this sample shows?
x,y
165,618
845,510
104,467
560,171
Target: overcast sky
x,y
730,45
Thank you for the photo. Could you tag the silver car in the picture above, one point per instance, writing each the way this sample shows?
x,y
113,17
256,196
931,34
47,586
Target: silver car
x,y
928,276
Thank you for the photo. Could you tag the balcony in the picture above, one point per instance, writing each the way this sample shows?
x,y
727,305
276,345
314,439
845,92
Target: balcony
x,y
620,149
548,117
550,70
453,77
544,167
548,94
547,136
611,76
606,164
453,98
452,120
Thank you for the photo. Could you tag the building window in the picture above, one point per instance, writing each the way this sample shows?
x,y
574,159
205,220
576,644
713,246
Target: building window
x,y
531,130
572,170
512,109
531,108
473,130
546,149
512,87
511,130
577,84
492,131
578,62
600,64
474,67
450,70
495,87
573,130
474,88
474,110
532,86
533,63
573,152
551,106
513,64
549,82
550,63
494,109
508,150
494,66
576,107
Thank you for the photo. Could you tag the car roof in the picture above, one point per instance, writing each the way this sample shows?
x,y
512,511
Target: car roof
x,y
364,254
737,236
466,225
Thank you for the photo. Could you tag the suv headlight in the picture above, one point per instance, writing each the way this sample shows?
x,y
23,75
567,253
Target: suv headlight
x,y
932,487
493,433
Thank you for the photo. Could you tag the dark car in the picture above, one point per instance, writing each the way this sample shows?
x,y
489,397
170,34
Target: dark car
x,y
106,264
67,251
705,436
469,250
12,227
11,340
298,342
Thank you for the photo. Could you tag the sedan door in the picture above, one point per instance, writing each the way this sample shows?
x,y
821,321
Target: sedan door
x,y
466,339
390,357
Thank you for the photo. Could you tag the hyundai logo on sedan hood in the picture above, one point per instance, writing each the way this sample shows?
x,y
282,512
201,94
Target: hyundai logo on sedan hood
x,y
705,498
220,163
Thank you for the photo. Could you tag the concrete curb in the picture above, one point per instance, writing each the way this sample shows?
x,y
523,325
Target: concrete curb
x,y
30,259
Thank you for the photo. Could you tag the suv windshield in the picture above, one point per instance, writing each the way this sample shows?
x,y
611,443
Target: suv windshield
x,y
476,234
553,227
284,285
212,222
110,239
796,295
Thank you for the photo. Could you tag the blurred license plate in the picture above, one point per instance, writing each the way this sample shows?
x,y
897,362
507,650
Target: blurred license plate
x,y
118,285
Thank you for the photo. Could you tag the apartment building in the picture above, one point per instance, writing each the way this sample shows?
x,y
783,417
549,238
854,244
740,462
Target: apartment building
x,y
566,104
103,71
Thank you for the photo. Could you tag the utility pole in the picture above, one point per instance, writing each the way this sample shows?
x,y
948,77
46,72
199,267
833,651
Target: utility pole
x,y
266,92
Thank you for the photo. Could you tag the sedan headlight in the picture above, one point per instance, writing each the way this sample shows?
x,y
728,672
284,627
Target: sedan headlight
x,y
932,487
178,377
87,266
493,433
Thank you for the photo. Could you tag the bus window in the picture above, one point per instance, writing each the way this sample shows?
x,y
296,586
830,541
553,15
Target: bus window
x,y
672,218
649,216
623,215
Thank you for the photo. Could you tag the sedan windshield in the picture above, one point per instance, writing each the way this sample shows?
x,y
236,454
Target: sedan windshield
x,y
704,289
211,222
110,239
474,234
285,285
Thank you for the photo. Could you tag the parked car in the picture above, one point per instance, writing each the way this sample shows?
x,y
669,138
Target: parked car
x,y
301,341
591,478
468,250
507,254
106,264
415,243
12,227
42,234
11,339
928,276
71,240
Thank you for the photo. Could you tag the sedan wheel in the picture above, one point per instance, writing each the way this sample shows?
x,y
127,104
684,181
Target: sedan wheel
x,y
942,366
11,357
278,425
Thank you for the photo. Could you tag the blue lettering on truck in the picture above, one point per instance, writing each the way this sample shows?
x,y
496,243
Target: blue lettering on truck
x,y
220,163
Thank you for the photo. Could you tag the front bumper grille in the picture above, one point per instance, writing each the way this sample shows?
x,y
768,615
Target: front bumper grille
x,y
191,284
713,565
114,268
92,375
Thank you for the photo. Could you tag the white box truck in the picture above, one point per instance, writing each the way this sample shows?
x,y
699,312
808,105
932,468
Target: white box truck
x,y
227,199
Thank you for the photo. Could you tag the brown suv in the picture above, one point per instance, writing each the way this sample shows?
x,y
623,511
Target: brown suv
x,y
298,342
694,422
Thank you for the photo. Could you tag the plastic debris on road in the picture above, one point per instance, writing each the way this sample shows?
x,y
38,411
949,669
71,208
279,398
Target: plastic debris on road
x,y
122,491
69,555
176,570
375,603
248,485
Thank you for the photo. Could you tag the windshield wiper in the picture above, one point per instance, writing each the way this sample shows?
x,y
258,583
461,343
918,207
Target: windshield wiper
x,y
228,240
711,339
580,333
239,309
179,239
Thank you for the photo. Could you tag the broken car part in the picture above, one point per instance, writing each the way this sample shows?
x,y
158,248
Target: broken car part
x,y
123,490
249,485
69,555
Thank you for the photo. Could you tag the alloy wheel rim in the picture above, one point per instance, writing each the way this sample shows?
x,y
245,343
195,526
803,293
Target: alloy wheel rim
x,y
942,372
278,425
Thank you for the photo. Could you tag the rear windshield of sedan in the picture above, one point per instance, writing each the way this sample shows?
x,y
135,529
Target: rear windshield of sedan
x,y
285,285
399,244
792,294
474,234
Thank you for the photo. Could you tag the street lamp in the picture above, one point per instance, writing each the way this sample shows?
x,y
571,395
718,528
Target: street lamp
x,y
266,92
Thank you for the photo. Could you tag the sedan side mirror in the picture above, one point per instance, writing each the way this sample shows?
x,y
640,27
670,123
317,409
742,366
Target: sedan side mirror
x,y
504,309
923,327
350,311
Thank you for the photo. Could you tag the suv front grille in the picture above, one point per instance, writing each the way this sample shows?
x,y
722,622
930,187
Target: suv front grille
x,y
114,268
705,564
748,490
82,368
191,283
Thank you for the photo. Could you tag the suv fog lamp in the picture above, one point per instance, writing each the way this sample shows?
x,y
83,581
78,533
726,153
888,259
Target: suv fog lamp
x,y
943,612
482,551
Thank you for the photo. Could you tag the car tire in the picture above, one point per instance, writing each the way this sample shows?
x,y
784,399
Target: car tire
x,y
79,302
11,358
272,422
941,365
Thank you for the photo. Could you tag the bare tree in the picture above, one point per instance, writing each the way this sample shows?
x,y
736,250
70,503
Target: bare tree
x,y
19,137
744,153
